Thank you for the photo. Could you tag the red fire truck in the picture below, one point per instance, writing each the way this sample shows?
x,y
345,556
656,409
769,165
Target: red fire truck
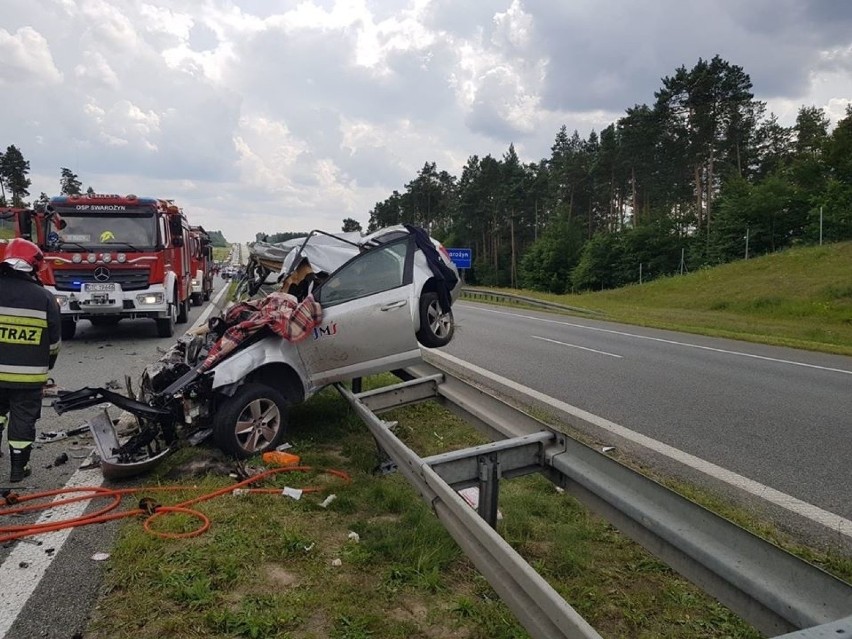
x,y
201,265
115,257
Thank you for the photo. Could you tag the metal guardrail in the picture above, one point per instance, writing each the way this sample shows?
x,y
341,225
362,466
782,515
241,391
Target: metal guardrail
x,y
488,295
770,588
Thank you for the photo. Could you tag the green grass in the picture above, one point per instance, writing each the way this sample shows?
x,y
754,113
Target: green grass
x,y
220,253
800,298
264,569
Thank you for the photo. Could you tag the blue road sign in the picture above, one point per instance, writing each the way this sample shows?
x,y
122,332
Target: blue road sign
x,y
461,257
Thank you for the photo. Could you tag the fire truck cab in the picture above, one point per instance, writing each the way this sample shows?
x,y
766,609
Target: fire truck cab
x,y
117,257
201,265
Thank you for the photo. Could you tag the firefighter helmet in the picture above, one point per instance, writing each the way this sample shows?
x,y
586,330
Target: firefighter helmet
x,y
23,255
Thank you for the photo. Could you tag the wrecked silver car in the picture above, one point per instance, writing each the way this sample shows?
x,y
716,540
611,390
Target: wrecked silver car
x,y
344,306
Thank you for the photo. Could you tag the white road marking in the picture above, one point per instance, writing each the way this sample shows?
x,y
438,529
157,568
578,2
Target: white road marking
x,y
830,520
583,348
669,341
20,583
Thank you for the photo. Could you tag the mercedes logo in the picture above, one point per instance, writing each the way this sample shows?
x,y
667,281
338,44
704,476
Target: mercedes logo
x,y
102,274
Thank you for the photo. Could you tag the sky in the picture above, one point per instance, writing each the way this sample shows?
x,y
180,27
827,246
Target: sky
x,y
261,116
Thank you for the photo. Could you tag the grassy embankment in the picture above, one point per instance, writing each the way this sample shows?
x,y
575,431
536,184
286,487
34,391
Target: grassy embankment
x,y
800,298
265,568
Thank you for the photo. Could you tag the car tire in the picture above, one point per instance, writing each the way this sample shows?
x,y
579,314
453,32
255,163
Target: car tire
x,y
69,329
436,327
251,421
166,325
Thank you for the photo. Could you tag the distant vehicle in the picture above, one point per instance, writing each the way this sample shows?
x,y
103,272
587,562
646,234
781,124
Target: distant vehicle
x,y
201,265
379,295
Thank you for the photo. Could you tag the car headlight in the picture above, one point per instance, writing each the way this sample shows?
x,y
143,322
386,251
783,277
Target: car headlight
x,y
150,298
62,300
76,258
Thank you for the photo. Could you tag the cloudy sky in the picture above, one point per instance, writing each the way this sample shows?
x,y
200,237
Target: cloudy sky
x,y
287,115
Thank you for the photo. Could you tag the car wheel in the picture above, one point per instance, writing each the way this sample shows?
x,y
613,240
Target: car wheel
x,y
251,421
436,327
69,328
166,325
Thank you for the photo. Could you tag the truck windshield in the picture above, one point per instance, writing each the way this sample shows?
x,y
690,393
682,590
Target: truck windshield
x,y
130,228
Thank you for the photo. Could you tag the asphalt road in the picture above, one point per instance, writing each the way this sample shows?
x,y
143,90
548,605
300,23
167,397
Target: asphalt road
x,y
60,605
778,416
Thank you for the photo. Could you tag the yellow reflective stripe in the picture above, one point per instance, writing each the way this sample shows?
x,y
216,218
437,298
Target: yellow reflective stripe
x,y
28,370
22,312
14,443
20,335
17,320
23,377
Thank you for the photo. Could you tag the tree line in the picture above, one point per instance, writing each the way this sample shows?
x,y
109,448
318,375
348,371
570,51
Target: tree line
x,y
699,177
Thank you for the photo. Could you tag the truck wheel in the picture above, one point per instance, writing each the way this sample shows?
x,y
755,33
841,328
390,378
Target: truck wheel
x,y
436,327
166,325
183,312
69,328
251,421
196,299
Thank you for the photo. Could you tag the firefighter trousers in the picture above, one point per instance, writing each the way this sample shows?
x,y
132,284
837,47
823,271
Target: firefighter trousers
x,y
23,408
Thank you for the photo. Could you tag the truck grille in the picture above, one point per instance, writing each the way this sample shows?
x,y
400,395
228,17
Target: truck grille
x,y
130,279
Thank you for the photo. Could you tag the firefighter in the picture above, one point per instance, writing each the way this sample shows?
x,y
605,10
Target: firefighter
x,y
30,336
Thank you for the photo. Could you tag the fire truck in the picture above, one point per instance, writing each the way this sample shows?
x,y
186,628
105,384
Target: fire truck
x,y
112,257
201,265
23,222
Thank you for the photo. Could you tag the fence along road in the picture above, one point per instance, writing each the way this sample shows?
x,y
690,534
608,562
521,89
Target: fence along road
x,y
768,587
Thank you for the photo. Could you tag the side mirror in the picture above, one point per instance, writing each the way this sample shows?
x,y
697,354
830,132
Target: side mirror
x,y
25,225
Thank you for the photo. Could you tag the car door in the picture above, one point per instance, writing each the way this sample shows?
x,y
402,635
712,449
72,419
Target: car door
x,y
368,317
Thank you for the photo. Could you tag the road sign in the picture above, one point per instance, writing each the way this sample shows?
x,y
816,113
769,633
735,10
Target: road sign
x,y
461,257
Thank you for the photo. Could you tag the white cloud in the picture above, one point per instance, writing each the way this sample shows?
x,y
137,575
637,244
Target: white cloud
x,y
263,116
94,69
26,60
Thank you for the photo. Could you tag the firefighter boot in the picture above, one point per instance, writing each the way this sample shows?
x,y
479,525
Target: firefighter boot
x,y
20,458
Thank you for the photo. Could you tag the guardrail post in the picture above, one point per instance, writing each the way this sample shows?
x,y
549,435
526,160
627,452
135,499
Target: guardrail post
x,y
489,488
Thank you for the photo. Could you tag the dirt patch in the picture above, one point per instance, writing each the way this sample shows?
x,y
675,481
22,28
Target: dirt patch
x,y
279,577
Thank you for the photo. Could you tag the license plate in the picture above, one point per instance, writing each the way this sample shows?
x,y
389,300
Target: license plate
x,y
100,286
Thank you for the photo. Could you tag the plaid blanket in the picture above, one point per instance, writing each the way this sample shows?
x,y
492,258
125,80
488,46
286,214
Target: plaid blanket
x,y
281,312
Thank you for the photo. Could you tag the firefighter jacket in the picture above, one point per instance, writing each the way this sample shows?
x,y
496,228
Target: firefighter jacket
x,y
30,330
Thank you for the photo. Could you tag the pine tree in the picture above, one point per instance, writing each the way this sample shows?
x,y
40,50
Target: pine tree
x,y
69,183
13,175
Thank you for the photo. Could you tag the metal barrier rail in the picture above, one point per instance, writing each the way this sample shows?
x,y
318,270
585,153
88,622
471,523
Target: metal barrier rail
x,y
499,296
770,588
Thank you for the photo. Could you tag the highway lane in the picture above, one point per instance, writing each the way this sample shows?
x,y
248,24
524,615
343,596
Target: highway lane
x,y
50,584
778,416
